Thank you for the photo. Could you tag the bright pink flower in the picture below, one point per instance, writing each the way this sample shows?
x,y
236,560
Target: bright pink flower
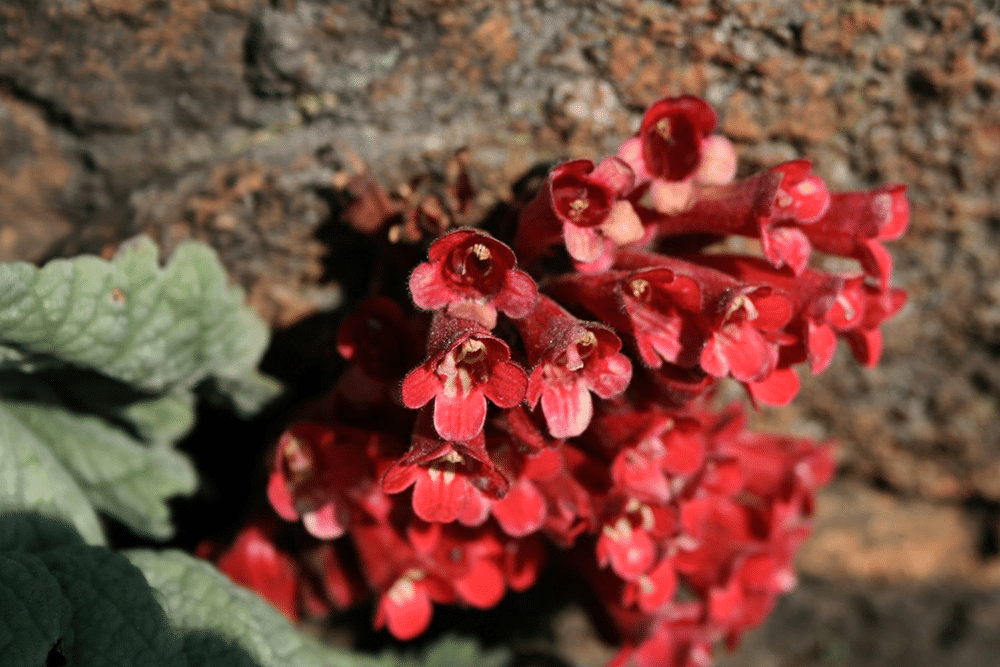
x,y
856,224
466,365
571,358
472,275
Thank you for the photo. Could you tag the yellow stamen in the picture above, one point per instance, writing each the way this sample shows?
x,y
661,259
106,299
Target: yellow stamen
x,y
664,129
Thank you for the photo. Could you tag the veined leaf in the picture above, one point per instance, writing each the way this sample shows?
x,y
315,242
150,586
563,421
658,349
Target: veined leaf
x,y
150,327
197,597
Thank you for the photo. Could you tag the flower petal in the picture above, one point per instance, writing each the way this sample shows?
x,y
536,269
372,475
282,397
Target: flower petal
x,y
507,384
522,511
568,408
420,386
406,609
460,418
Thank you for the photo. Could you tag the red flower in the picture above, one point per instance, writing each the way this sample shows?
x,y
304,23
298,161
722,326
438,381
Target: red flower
x,y
656,305
465,367
771,206
651,591
451,481
672,133
254,561
629,539
741,323
583,205
571,359
376,338
319,476
406,607
858,313
472,275
856,224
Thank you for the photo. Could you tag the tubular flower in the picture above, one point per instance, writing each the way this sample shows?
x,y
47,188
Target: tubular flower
x,y
420,483
773,207
472,276
583,206
465,367
571,359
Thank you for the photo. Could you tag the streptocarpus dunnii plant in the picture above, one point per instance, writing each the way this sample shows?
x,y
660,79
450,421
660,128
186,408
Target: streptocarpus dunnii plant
x,y
554,388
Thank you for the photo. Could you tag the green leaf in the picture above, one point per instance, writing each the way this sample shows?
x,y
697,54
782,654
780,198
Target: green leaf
x,y
98,363
88,603
197,597
246,395
448,651
32,478
117,474
154,329
35,613
116,620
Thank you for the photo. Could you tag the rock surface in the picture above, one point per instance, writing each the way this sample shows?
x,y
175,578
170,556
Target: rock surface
x,y
235,121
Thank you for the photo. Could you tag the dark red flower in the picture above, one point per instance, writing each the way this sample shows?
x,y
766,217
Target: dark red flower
x,y
319,473
376,338
672,132
465,367
472,275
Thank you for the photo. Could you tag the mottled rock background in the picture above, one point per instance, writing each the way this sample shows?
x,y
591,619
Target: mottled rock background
x,y
234,121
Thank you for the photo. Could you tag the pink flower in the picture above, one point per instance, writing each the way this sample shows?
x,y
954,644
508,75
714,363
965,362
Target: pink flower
x,y
472,275
465,367
571,359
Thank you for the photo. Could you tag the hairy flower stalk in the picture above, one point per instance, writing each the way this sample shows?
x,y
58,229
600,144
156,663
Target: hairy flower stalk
x,y
564,408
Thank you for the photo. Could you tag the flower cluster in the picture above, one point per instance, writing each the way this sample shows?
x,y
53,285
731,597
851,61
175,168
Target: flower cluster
x,y
548,392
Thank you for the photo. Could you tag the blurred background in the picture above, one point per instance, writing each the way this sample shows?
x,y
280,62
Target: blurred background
x,y
239,122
